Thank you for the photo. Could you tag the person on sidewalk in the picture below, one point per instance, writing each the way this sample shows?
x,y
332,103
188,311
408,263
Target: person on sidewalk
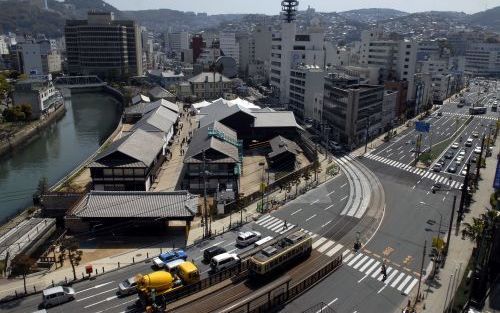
x,y
285,225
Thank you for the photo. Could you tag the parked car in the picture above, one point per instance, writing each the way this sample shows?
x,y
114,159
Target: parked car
x,y
223,261
462,152
463,172
436,186
449,154
475,134
477,150
460,158
455,145
468,143
473,159
247,238
441,161
57,295
127,287
452,169
209,253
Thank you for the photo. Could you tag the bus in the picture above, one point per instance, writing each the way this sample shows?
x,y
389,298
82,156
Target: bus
x,y
477,110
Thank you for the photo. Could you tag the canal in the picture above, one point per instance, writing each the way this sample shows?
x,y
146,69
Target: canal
x,y
90,118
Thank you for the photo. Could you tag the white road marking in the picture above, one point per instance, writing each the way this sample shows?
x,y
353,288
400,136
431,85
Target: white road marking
x,y
328,304
395,282
260,221
296,212
327,245
326,224
229,244
410,286
355,259
315,201
318,242
343,198
330,193
343,185
365,266
328,207
95,287
97,294
334,250
309,218
363,278
374,266
358,264
413,187
98,302
407,279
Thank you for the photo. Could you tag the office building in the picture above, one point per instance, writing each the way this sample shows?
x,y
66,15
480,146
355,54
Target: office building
x,y
103,46
483,59
177,42
229,46
38,57
306,92
352,111
290,49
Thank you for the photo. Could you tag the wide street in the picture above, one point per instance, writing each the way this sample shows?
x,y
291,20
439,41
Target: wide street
x,y
380,195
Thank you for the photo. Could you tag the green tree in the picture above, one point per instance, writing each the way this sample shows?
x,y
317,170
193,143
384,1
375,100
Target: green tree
x,y
5,87
473,231
26,109
316,168
307,175
21,265
70,248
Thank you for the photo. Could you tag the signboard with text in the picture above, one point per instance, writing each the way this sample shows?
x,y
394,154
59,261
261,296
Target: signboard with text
x,y
422,127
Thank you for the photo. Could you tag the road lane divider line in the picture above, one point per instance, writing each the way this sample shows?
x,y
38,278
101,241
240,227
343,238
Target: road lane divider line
x,y
95,287
95,295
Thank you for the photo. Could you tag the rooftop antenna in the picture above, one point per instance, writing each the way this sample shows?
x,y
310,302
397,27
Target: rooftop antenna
x,y
289,9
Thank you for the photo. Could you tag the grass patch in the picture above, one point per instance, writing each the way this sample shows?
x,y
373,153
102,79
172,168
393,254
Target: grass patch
x,y
429,156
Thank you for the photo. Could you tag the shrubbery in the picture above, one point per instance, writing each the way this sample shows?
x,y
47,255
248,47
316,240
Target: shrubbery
x,y
17,113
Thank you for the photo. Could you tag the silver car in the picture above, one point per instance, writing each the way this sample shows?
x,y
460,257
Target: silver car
x,y
127,287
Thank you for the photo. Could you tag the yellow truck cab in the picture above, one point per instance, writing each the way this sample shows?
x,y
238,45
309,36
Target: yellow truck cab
x,y
188,272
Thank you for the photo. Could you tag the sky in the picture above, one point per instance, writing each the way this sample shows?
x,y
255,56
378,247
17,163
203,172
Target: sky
x,y
274,6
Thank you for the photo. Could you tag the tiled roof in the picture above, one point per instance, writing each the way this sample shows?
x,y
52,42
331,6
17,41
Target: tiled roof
x,y
140,145
209,76
280,144
157,92
160,119
275,119
137,204
140,98
203,141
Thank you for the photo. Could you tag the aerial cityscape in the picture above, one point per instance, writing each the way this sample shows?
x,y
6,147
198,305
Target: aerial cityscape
x,y
279,156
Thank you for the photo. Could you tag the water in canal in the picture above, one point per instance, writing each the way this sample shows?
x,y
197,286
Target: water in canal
x,y
90,118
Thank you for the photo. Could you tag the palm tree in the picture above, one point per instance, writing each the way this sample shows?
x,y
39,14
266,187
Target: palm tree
x,y
474,231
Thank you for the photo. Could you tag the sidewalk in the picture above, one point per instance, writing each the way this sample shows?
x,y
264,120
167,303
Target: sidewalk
x,y
250,213
39,281
460,250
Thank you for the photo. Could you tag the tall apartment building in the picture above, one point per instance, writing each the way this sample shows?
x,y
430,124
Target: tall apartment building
x,y
290,49
306,92
396,59
229,46
177,42
483,59
246,49
103,46
147,48
38,57
352,110
4,47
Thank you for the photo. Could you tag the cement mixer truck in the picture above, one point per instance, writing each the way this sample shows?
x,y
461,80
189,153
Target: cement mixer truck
x,y
154,285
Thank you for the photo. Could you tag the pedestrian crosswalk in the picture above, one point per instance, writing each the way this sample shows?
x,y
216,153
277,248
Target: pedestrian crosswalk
x,y
369,266
425,174
468,115
400,280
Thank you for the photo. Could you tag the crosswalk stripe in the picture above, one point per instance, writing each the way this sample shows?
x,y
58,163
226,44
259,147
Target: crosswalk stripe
x,y
375,273
262,220
401,286
358,264
426,175
272,224
421,172
269,222
372,268
334,249
327,245
390,277
434,176
318,242
355,259
399,165
454,184
282,231
346,252
410,286
276,226
365,266
348,257
392,163
395,282
441,179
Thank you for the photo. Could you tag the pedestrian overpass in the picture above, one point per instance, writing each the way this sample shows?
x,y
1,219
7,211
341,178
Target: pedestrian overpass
x,y
88,81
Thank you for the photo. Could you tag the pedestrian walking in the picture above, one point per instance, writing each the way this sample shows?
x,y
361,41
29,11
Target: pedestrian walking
x,y
285,225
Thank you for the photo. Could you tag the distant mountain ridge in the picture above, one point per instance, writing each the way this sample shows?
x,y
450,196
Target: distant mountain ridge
x,y
29,17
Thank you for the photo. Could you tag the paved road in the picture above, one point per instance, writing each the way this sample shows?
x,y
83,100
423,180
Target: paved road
x,y
310,211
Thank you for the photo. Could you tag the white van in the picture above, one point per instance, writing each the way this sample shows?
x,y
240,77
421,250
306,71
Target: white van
x,y
263,241
171,267
222,261
57,295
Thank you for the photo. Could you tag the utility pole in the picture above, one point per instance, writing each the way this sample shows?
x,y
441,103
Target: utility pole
x,y
465,187
207,233
449,228
421,273
479,161
367,131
